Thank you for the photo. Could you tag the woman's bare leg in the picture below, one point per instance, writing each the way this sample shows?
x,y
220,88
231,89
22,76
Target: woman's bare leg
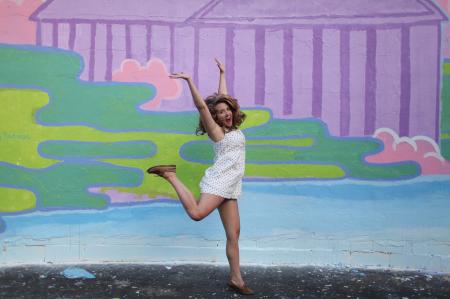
x,y
229,213
196,210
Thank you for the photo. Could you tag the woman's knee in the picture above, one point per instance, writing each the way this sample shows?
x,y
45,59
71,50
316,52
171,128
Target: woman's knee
x,y
233,235
196,215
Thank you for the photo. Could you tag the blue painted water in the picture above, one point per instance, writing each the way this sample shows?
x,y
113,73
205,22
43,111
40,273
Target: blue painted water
x,y
266,208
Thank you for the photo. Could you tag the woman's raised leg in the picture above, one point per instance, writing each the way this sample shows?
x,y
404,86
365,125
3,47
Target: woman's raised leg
x,y
196,210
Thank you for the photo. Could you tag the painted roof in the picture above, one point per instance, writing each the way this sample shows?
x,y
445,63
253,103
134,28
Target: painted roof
x,y
307,12
245,12
119,10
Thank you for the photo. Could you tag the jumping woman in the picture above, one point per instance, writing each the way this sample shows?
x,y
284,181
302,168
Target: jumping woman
x,y
220,118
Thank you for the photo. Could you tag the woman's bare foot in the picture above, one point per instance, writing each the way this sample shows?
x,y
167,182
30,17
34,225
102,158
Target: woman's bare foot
x,y
237,281
168,175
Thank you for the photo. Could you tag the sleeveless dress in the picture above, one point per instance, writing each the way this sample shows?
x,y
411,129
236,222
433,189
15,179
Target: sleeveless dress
x,y
224,177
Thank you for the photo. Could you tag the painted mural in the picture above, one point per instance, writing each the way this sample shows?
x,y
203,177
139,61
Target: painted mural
x,y
335,91
445,95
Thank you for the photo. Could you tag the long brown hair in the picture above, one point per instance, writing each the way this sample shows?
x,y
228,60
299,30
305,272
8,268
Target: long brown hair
x,y
212,101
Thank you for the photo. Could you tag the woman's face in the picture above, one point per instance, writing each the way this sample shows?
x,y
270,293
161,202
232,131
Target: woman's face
x,y
224,115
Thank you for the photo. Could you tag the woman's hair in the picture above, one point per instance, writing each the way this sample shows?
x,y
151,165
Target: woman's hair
x,y
212,101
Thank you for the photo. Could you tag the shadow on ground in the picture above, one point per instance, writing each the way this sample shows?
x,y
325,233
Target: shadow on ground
x,y
209,281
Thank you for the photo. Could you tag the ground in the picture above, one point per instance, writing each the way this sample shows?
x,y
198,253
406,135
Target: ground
x,y
209,281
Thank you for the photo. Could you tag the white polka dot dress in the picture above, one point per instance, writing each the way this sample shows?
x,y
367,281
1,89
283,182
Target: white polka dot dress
x,y
224,177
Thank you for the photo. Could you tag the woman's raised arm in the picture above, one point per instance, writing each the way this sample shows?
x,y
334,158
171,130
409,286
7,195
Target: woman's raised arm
x,y
222,81
212,128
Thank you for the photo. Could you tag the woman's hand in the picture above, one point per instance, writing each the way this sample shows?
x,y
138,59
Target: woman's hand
x,y
180,75
220,65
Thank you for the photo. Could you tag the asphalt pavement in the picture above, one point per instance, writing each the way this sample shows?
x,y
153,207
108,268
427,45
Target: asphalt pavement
x,y
209,281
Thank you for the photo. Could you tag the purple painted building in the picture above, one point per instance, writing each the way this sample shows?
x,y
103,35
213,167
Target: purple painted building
x,y
357,64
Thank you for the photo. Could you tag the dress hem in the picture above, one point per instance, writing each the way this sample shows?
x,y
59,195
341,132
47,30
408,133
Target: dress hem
x,y
221,195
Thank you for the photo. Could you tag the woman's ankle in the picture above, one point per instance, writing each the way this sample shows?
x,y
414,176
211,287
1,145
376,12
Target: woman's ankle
x,y
168,175
237,279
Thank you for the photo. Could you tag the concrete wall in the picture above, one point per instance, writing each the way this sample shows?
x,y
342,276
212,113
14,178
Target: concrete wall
x,y
349,182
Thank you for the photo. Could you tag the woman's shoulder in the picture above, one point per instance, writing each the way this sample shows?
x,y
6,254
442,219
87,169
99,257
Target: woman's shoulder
x,y
237,134
234,131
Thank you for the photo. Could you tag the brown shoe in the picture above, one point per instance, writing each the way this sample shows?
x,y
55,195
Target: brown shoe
x,y
244,290
159,170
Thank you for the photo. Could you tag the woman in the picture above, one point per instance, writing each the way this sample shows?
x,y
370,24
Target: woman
x,y
220,117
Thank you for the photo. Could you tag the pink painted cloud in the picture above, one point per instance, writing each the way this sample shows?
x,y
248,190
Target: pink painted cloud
x,y
118,197
154,72
444,4
420,149
15,27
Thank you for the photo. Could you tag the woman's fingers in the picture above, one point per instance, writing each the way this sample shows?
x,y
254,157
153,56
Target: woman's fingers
x,y
220,64
179,75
